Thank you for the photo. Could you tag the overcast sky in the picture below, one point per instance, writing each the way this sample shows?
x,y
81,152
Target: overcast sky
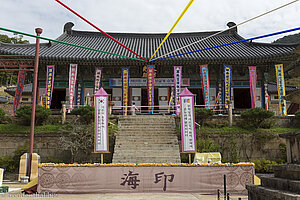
x,y
148,16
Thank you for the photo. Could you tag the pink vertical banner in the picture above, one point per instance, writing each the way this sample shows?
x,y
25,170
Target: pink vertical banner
x,y
19,90
187,116
98,74
72,82
101,121
205,85
177,86
252,74
150,87
49,84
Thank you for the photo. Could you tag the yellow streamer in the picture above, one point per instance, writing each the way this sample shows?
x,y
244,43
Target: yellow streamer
x,y
179,18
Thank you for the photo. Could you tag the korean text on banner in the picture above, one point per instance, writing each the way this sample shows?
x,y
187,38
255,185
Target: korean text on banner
x,y
101,121
125,88
187,121
98,73
150,87
49,84
205,85
252,74
227,87
19,90
177,86
281,88
72,83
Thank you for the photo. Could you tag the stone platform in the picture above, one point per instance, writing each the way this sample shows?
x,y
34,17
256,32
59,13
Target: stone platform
x,y
144,178
284,184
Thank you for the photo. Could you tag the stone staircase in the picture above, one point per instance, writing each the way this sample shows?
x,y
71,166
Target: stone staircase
x,y
283,185
146,139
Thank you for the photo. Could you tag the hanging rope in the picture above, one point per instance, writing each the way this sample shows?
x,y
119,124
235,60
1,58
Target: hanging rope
x,y
179,18
61,42
201,40
227,44
100,30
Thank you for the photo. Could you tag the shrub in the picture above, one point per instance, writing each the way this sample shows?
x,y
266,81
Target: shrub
x,y
3,117
86,114
202,115
207,145
261,165
254,117
297,114
11,163
23,115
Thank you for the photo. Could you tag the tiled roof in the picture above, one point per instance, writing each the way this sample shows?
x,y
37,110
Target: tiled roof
x,y
272,88
146,43
26,89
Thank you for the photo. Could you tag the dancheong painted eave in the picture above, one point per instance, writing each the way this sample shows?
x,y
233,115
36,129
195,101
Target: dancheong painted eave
x,y
145,44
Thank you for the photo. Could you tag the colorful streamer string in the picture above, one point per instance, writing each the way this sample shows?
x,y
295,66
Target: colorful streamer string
x,y
227,44
179,18
70,44
244,22
100,30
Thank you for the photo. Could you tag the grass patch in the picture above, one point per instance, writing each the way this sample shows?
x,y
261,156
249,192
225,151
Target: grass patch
x,y
14,128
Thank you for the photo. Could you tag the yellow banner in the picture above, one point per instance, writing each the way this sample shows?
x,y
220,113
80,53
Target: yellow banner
x,y
281,88
125,87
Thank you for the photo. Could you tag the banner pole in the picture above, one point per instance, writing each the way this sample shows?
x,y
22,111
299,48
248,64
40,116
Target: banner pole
x,y
101,158
190,158
34,91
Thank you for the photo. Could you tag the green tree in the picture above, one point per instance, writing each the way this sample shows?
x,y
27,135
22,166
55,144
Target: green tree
x,y
23,115
9,77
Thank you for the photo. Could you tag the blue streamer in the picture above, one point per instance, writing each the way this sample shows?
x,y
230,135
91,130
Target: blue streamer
x,y
222,45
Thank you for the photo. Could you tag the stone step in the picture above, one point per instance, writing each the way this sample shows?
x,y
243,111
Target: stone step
x,y
147,161
281,184
146,132
146,142
146,151
148,136
144,158
256,192
289,171
155,146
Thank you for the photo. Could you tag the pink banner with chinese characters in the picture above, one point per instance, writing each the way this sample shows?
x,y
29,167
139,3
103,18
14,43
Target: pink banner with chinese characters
x,y
252,74
193,179
72,84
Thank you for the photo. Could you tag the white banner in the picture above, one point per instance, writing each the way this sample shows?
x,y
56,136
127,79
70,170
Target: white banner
x,y
187,121
101,123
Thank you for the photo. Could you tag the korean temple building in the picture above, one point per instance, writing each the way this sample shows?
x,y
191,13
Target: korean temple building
x,y
262,55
